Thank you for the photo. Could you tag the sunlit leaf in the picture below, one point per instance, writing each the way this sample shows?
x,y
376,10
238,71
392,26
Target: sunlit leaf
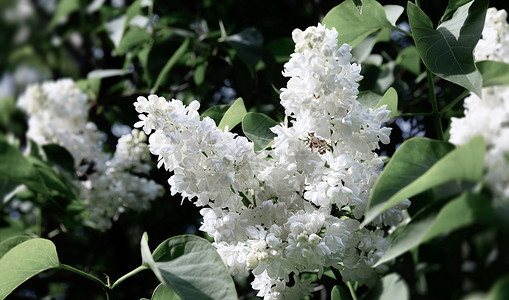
x,y
163,293
24,261
12,242
233,115
390,99
447,50
420,164
354,25
63,9
390,287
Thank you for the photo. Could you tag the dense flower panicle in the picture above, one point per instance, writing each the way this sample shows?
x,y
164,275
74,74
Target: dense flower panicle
x,y
58,114
294,207
494,43
489,116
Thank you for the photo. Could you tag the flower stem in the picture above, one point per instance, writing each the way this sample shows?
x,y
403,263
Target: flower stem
x,y
423,114
401,30
434,105
104,286
454,102
352,291
133,272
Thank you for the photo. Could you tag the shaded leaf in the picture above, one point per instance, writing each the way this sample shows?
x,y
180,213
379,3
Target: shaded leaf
x,y
134,37
233,115
170,64
462,211
354,24
500,289
409,59
60,157
390,99
338,293
256,127
281,49
24,261
216,112
420,164
191,267
248,44
12,242
493,72
447,51
16,168
199,74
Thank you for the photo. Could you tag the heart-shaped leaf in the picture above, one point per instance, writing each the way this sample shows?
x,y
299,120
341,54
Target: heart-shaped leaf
x,y
191,267
447,50
24,261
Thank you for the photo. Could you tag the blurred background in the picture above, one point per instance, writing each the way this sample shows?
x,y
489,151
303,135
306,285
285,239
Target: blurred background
x,y
206,50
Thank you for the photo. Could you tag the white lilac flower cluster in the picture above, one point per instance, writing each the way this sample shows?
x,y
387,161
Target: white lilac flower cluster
x,y
295,207
489,116
58,114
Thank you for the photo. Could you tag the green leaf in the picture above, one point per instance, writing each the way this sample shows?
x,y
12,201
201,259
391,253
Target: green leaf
x,y
24,261
191,267
393,12
256,127
51,179
390,99
338,293
409,59
420,164
233,115
60,157
15,167
64,8
163,293
369,99
216,112
390,287
12,242
447,51
199,74
500,289
493,72
354,25
105,73
281,49
170,64
134,37
249,45
462,211
452,6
